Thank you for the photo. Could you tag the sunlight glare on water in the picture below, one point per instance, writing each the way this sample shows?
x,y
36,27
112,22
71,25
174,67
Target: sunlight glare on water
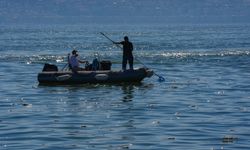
x,y
203,103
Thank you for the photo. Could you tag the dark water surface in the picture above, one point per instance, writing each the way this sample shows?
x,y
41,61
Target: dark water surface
x,y
204,104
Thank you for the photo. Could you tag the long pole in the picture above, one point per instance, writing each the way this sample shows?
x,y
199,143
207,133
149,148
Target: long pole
x,y
161,78
67,61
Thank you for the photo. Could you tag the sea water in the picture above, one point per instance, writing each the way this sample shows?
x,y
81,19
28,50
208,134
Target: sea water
x,y
204,103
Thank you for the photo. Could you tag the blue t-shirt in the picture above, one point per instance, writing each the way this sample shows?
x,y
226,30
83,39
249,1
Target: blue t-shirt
x,y
74,61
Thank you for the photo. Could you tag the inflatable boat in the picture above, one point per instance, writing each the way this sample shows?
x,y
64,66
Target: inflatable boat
x,y
51,75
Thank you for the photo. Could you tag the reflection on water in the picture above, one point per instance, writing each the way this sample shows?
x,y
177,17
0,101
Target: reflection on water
x,y
97,112
128,91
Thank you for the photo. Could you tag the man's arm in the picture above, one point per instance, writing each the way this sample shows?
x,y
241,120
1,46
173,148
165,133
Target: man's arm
x,y
82,61
117,42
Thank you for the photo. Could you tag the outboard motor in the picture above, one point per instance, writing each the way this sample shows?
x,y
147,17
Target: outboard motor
x,y
105,65
50,67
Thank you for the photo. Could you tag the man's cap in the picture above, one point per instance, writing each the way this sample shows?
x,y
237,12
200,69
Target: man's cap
x,y
74,51
125,37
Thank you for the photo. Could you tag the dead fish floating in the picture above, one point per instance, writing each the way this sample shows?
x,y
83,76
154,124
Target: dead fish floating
x,y
229,139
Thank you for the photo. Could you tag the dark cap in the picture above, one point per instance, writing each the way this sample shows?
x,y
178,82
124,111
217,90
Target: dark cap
x,y
125,38
74,51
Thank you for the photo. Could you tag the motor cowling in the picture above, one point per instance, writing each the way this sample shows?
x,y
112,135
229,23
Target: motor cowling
x,y
50,67
105,65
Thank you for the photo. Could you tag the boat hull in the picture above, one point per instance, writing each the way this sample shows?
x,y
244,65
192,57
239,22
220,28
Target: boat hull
x,y
102,76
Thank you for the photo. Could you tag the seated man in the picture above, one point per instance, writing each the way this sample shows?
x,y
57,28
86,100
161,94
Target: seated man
x,y
74,61
95,64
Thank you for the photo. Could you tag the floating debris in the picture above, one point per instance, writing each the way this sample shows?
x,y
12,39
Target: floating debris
x,y
127,99
156,122
174,87
195,107
229,139
171,138
83,126
125,146
27,105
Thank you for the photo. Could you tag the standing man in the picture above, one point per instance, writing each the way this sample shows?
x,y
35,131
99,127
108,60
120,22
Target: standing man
x,y
127,53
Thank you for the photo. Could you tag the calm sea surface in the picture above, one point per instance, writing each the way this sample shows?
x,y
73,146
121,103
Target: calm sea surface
x,y
204,104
